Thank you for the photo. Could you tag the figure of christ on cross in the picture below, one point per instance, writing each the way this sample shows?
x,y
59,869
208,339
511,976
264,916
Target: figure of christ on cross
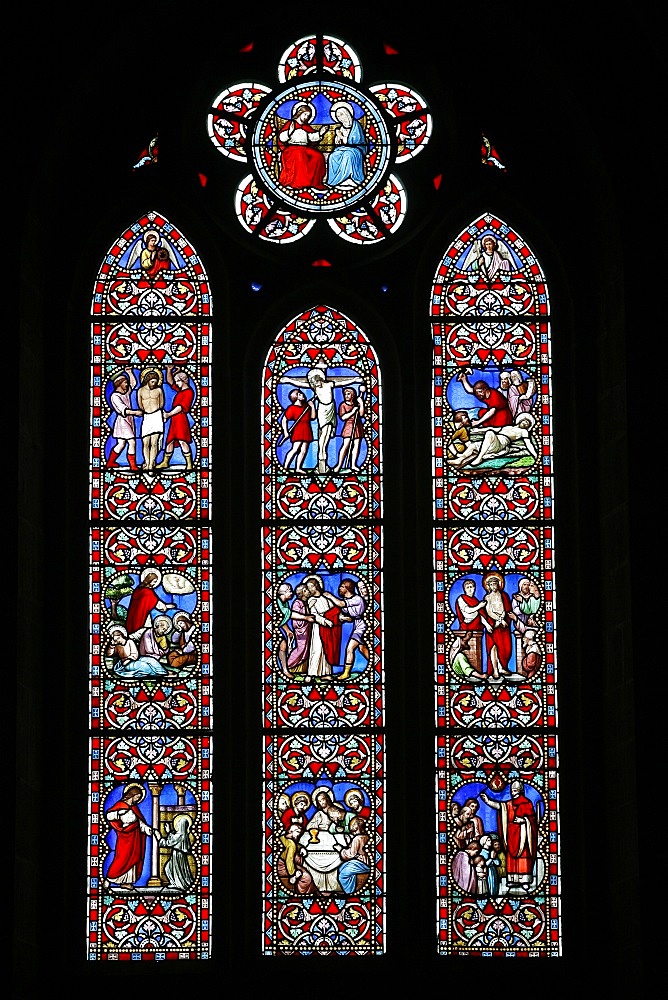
x,y
323,386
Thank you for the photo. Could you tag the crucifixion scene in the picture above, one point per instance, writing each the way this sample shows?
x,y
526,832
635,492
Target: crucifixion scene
x,y
322,425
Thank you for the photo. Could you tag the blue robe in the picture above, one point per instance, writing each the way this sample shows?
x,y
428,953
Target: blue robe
x,y
145,666
348,873
347,162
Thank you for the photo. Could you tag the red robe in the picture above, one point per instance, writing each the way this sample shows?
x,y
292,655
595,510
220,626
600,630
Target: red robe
x,y
301,428
500,636
331,637
179,428
142,602
520,838
503,417
290,816
476,624
160,263
302,166
130,843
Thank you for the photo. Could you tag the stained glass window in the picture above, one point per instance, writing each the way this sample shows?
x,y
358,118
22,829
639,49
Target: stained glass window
x,y
150,586
497,763
321,146
324,783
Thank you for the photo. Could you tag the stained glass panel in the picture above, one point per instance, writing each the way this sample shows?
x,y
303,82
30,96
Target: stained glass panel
x,y
150,601
324,844
320,145
499,864
495,636
324,808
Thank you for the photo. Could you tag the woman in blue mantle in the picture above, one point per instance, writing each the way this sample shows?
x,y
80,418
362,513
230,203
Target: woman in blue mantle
x,y
345,167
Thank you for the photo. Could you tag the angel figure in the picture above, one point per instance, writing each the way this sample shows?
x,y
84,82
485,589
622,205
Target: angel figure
x,y
489,259
153,254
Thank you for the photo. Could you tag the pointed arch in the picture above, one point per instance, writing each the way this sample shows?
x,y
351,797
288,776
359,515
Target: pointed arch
x,y
497,771
323,709
150,575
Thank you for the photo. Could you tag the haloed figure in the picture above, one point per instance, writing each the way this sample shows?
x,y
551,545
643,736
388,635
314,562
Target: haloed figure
x,y
151,401
126,819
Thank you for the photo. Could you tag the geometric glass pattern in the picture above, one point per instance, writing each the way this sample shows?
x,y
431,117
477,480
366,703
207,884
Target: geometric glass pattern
x,y
495,640
321,146
323,712
149,894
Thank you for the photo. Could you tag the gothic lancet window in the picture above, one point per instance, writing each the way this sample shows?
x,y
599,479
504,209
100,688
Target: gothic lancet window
x,y
497,778
150,560
322,548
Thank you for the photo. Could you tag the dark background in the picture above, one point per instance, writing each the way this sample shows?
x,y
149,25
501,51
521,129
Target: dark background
x,y
570,100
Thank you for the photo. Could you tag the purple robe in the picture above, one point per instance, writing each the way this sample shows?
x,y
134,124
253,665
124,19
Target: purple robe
x,y
463,872
302,632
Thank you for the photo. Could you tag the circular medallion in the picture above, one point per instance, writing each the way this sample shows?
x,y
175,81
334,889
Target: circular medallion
x,y
321,147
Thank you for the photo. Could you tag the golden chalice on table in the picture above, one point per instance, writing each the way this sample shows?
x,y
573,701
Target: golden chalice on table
x,y
314,835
